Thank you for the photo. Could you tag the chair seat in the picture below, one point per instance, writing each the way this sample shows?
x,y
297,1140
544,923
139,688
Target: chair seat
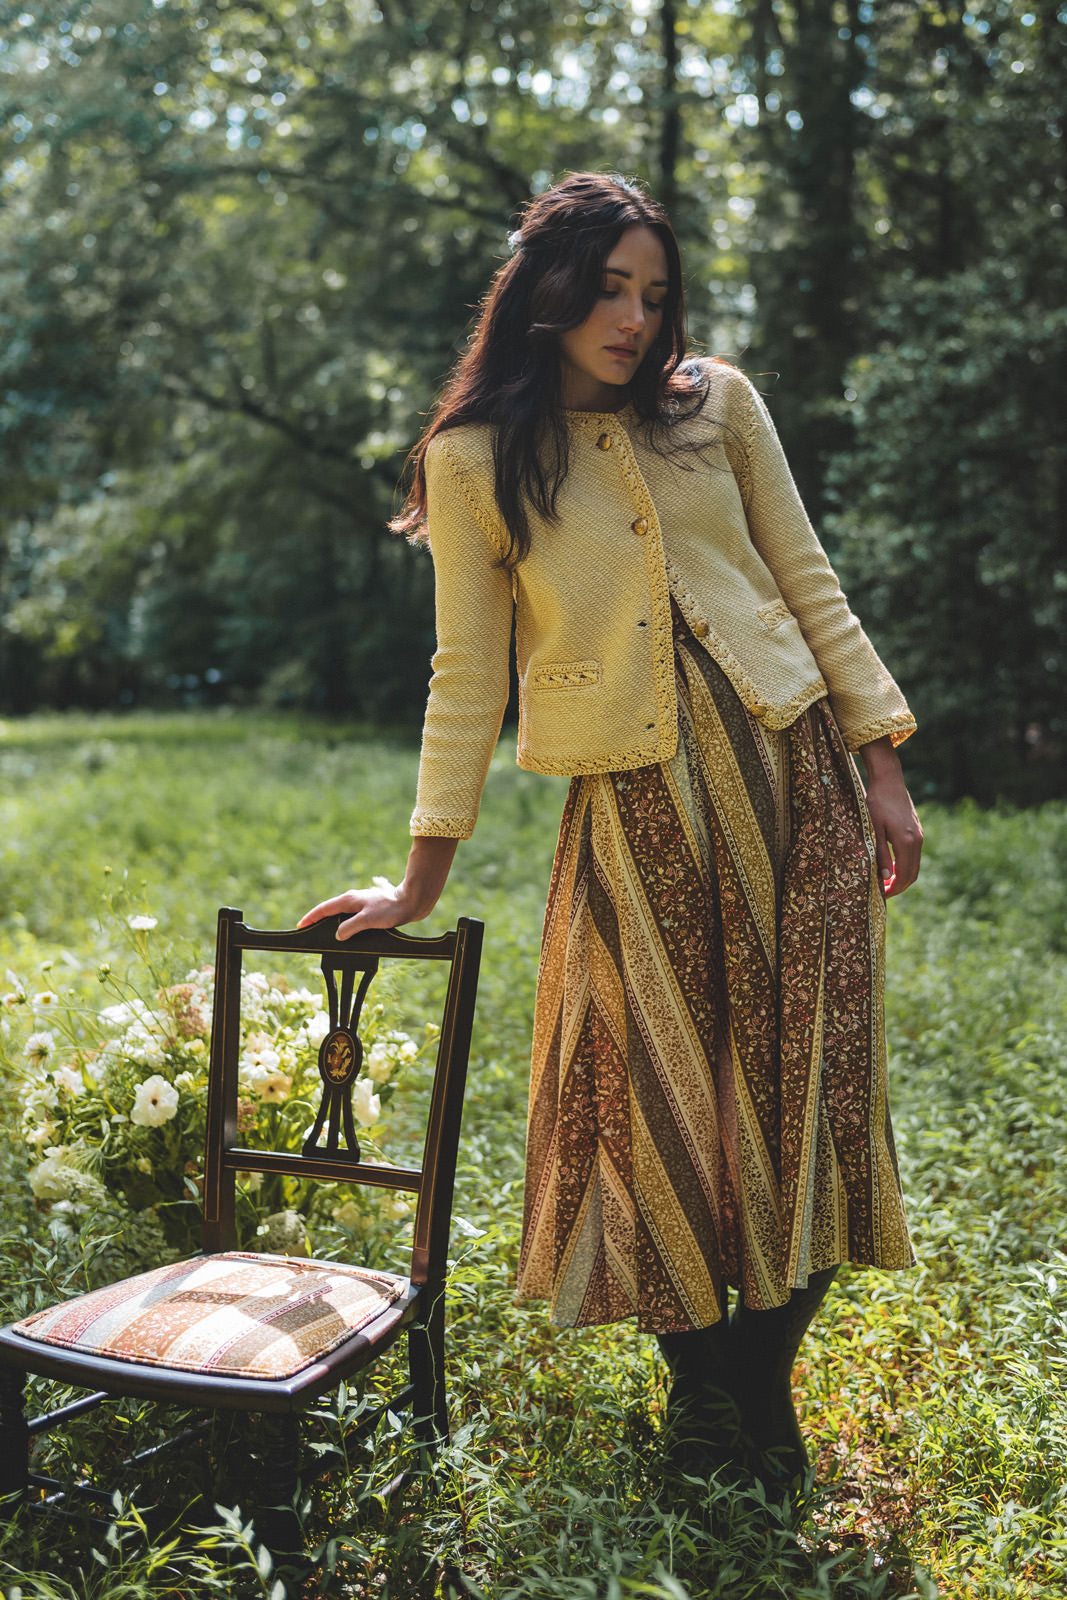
x,y
232,1314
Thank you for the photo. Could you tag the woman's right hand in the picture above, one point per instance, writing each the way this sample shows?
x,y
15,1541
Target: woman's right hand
x,y
379,907
386,906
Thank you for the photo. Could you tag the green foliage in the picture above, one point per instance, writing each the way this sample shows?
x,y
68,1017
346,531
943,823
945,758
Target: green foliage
x,y
957,560
237,257
934,1399
239,252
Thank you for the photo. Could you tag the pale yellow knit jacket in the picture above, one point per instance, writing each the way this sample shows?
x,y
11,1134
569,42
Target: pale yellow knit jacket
x,y
723,530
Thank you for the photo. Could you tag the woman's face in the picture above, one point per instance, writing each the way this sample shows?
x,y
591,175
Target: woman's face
x,y
602,354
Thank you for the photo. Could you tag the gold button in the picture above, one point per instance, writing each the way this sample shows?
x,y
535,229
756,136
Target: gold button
x,y
702,628
604,442
640,526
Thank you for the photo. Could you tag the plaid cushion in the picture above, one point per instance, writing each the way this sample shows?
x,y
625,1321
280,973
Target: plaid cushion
x,y
253,1316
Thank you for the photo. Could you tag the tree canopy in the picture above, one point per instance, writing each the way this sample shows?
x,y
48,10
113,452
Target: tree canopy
x,y
242,243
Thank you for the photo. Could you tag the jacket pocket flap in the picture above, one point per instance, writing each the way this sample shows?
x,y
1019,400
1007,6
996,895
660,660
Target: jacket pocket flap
x,y
774,613
566,675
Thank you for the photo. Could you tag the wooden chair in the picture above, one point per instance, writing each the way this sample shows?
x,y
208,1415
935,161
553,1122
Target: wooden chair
x,y
237,1331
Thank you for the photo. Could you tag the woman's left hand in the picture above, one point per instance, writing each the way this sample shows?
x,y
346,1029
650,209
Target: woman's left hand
x,y
898,834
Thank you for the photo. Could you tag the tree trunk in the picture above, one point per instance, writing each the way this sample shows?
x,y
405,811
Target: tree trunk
x,y
670,131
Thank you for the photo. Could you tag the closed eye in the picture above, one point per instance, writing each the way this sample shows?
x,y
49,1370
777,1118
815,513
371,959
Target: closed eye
x,y
650,305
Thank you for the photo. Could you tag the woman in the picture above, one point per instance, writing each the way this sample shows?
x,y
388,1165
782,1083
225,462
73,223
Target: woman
x,y
708,1098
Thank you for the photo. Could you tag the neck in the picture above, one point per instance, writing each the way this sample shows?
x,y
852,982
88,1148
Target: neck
x,y
579,392
608,399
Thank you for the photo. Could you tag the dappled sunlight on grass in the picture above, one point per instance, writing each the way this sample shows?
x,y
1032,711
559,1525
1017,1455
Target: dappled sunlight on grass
x,y
934,1399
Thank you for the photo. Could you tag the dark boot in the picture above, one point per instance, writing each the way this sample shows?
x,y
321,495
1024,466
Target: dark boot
x,y
703,1421
765,1347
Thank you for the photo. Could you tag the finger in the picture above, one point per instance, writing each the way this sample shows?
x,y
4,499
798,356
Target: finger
x,y
883,853
364,920
908,855
326,908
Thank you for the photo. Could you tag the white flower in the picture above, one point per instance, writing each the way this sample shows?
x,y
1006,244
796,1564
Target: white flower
x,y
39,1046
185,1080
46,998
141,1043
156,1101
379,1064
365,1103
69,1078
316,1028
40,1135
15,998
259,1054
260,1063
57,1178
118,1016
142,924
255,992
143,1164
388,1053
15,981
54,1178
272,1086
39,1097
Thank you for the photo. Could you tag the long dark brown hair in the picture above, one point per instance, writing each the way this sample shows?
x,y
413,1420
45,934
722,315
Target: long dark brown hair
x,y
510,374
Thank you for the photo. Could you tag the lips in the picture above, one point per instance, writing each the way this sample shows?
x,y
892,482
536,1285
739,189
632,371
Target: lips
x,y
620,350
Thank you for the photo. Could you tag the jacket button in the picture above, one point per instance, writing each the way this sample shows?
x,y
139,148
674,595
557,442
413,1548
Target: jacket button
x,y
702,628
604,442
640,526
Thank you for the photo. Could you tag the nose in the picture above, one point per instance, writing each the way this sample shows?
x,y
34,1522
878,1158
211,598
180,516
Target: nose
x,y
632,315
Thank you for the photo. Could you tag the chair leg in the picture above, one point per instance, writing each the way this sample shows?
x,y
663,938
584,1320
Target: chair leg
x,y
426,1361
276,1519
14,1440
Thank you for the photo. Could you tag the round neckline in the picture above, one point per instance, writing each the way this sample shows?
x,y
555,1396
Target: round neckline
x,y
597,416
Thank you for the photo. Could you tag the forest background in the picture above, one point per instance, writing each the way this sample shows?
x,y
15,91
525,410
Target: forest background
x,y
241,244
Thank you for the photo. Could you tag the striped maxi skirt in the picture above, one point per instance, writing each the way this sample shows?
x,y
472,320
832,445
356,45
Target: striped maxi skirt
x,y
708,1098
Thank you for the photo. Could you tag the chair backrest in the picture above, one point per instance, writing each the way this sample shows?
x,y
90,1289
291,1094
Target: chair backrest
x,y
348,968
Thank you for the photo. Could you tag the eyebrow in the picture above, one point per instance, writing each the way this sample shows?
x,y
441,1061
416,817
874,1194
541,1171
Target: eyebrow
x,y
621,272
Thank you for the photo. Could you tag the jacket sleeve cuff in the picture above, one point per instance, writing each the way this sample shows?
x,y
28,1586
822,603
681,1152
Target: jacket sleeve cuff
x,y
431,825
900,726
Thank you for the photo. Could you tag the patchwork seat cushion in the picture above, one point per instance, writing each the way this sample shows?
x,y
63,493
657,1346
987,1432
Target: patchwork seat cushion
x,y
252,1316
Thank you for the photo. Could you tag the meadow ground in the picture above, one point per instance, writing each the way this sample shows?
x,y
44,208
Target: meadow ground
x,y
935,1398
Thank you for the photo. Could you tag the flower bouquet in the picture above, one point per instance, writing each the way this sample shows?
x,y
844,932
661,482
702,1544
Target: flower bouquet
x,y
114,1105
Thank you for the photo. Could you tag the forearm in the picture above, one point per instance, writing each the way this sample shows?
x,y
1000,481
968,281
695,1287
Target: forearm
x,y
429,863
880,759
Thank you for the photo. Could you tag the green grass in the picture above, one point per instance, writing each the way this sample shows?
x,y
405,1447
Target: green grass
x,y
934,1398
